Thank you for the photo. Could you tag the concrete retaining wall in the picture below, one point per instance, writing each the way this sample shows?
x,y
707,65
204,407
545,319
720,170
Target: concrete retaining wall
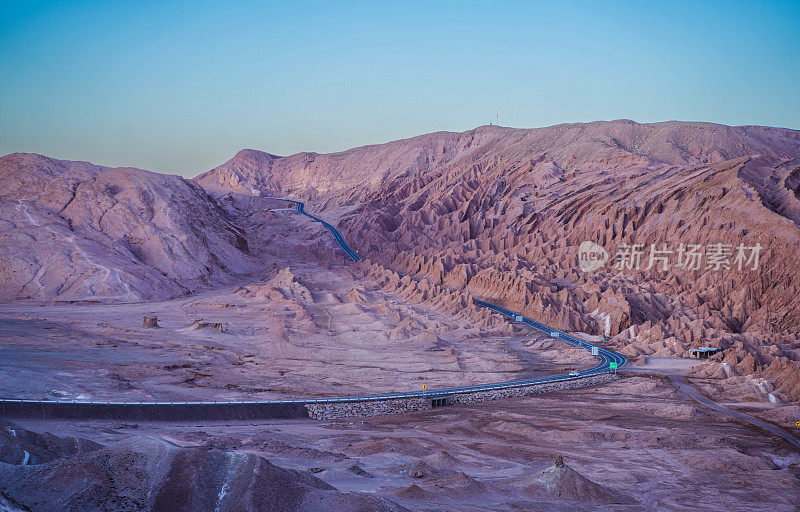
x,y
152,412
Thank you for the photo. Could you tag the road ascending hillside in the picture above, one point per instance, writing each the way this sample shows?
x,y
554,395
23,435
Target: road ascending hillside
x,y
607,356
294,407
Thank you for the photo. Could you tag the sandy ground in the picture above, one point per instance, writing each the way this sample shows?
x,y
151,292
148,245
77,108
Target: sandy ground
x,y
637,437
307,331
307,324
743,399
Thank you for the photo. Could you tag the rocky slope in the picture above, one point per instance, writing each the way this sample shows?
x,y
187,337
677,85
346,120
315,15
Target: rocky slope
x,y
146,473
76,231
19,446
500,213
561,481
493,212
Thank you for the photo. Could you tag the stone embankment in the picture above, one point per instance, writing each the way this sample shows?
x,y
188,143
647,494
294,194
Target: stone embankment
x,y
253,410
536,389
338,410
403,405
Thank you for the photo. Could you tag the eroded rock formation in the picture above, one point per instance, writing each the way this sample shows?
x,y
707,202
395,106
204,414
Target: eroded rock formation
x,y
77,231
499,213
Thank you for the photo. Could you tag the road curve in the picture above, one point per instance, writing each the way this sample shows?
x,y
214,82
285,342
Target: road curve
x,y
682,385
292,407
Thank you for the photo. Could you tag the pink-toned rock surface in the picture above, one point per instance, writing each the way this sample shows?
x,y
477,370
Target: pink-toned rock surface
x,y
500,213
256,301
77,231
145,473
299,331
632,445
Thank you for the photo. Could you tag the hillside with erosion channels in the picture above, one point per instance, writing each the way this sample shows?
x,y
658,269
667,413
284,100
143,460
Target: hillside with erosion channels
x,y
147,473
77,231
499,213
120,284
494,213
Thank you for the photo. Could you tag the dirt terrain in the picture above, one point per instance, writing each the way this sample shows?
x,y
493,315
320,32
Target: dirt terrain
x,y
501,213
302,332
254,301
309,324
635,445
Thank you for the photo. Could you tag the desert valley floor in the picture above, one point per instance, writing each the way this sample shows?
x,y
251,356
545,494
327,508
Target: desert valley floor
x,y
309,330
254,301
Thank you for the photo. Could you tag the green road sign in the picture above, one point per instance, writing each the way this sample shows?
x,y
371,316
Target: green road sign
x,y
613,366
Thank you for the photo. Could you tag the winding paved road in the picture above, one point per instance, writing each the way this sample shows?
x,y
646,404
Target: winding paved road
x,y
291,407
606,356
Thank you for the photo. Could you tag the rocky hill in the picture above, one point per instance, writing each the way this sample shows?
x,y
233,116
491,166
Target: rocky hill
x,y
500,213
77,231
697,222
149,474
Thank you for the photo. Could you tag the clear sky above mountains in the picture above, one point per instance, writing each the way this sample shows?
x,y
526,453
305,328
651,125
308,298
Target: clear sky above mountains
x,y
180,87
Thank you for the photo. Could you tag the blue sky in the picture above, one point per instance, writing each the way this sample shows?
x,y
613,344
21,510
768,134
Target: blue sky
x,y
179,87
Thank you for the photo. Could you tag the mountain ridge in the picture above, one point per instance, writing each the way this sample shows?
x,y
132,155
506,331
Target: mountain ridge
x,y
673,142
495,212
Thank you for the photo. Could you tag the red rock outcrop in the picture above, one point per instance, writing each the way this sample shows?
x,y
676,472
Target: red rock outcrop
x,y
493,212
